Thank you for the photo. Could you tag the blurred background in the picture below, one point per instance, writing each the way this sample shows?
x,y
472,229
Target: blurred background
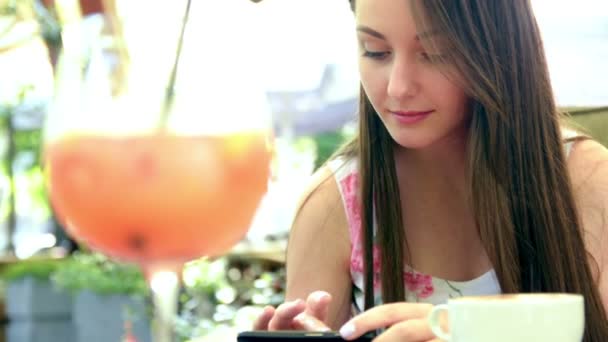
x,y
303,53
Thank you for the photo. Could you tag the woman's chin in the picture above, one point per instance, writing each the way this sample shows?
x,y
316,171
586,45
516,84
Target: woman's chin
x,y
412,141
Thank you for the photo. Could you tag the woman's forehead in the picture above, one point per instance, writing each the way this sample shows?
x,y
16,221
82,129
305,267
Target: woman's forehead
x,y
392,18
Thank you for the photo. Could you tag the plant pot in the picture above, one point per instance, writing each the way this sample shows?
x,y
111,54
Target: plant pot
x,y
37,310
101,318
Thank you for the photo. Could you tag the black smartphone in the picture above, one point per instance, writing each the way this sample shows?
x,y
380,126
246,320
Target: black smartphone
x,y
275,336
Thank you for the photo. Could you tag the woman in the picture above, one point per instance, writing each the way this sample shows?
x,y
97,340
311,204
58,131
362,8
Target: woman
x,y
462,180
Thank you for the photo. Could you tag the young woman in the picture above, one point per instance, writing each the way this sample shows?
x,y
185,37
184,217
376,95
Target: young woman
x,y
463,179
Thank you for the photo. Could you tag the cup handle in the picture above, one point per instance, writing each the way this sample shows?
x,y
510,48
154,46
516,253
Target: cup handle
x,y
433,320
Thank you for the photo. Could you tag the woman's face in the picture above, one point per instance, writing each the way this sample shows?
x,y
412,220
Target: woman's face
x,y
416,101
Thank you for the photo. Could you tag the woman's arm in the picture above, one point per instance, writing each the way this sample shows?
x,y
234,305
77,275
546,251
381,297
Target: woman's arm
x,y
588,166
318,253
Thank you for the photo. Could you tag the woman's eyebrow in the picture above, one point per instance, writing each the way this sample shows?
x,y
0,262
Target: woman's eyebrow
x,y
420,36
371,32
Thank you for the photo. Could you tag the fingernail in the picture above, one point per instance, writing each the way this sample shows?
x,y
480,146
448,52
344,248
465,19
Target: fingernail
x,y
347,330
318,296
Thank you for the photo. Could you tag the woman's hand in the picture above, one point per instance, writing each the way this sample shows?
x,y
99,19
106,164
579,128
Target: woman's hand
x,y
405,322
297,315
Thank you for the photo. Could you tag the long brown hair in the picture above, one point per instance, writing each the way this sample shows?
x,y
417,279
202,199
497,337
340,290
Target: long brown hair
x,y
520,187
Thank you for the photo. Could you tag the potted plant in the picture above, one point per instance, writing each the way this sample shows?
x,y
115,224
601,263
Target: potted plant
x,y
36,309
109,298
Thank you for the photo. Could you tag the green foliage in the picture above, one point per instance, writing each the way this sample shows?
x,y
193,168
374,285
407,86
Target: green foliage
x,y
227,292
26,143
5,112
9,9
29,141
37,191
326,144
39,269
50,28
100,275
204,276
592,123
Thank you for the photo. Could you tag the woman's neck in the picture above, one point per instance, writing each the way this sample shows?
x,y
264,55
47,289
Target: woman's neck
x,y
438,168
437,212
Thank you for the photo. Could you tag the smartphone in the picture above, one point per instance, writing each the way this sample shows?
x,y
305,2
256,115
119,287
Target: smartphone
x,y
275,336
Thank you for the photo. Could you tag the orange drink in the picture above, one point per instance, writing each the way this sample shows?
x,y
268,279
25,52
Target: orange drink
x,y
158,198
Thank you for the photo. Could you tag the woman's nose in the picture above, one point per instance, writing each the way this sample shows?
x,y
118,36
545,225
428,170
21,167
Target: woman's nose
x,y
402,80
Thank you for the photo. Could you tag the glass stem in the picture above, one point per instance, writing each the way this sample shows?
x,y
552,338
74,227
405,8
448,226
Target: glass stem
x,y
165,289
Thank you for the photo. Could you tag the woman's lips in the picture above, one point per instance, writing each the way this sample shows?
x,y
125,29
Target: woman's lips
x,y
410,117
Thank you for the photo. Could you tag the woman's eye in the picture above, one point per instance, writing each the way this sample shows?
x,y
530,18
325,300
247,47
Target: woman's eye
x,y
375,54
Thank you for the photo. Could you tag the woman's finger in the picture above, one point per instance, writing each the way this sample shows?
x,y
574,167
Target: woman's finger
x,y
261,323
383,316
284,314
304,321
414,330
317,305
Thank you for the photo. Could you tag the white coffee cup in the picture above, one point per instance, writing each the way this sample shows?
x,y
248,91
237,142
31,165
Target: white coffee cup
x,y
538,317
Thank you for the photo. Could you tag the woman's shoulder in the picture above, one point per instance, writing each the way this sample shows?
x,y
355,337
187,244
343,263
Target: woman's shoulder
x,y
320,219
342,166
588,168
322,202
588,164
321,185
322,196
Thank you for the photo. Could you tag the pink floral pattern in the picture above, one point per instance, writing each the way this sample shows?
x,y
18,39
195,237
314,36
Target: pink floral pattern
x,y
421,284
350,186
418,283
357,265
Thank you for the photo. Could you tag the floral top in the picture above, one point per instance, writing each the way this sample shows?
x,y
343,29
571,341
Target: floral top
x,y
420,287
